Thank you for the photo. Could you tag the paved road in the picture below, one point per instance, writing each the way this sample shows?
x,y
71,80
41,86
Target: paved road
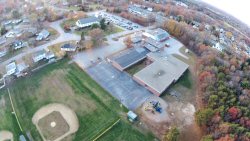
x,y
119,84
62,38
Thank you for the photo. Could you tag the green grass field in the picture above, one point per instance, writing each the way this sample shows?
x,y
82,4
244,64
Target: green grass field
x,y
7,119
68,84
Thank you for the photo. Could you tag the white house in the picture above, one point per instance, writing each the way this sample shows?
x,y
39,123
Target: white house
x,y
85,22
11,68
43,35
21,67
38,56
218,46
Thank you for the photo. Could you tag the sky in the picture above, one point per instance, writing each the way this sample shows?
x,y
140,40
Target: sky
x,y
238,8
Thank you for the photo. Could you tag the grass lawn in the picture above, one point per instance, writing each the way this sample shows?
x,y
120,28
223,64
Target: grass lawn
x,y
136,68
68,22
185,80
115,30
186,85
74,8
7,119
66,83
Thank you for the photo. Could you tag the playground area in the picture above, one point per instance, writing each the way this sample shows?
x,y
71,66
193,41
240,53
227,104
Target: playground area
x,y
55,122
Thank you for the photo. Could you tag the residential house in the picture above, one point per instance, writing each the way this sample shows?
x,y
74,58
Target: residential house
x,y
43,35
17,21
68,47
11,68
50,55
39,55
14,33
21,67
17,44
85,22
218,46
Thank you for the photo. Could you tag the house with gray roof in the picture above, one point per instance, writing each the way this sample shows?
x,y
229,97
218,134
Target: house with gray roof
x,y
39,55
43,35
10,68
85,22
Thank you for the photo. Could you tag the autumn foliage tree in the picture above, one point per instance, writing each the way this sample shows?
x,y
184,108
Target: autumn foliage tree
x,y
97,36
128,42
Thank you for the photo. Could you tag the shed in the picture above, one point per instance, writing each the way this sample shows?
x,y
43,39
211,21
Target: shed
x,y
132,116
22,138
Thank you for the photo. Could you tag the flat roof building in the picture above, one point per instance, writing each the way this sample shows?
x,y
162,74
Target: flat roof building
x,y
129,57
157,34
158,76
153,45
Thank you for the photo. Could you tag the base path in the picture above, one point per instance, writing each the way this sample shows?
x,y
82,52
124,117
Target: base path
x,y
68,114
6,135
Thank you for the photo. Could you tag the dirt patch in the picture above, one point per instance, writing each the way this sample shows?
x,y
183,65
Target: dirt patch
x,y
50,118
173,114
6,136
53,126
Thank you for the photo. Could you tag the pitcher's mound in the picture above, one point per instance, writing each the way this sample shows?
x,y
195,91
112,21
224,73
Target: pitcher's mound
x,y
55,122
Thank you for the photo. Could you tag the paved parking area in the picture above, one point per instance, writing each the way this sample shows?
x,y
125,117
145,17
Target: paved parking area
x,y
117,20
174,47
119,84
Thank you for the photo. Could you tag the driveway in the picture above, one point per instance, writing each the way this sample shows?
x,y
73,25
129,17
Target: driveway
x,y
119,84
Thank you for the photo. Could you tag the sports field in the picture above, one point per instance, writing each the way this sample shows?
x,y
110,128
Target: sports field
x,y
67,84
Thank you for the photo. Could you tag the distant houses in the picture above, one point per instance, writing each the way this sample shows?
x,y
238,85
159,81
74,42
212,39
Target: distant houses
x,y
86,22
16,69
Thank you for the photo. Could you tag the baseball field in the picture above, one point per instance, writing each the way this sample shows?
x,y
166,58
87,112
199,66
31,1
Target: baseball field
x,y
93,108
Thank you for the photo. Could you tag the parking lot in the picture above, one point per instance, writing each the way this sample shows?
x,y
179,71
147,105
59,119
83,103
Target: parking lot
x,y
119,84
119,21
